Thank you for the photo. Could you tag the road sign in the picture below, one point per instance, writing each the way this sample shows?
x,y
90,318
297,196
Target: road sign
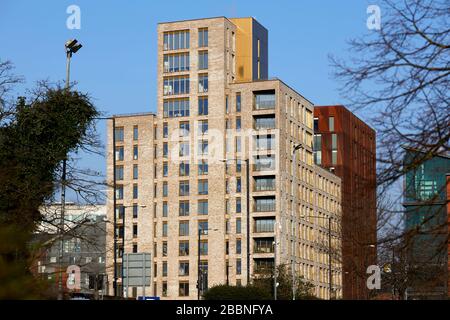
x,y
136,269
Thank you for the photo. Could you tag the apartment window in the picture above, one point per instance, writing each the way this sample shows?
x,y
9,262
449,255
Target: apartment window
x,y
238,246
183,209
135,230
183,228
238,205
135,171
227,226
184,169
165,149
119,192
317,147
316,124
204,247
203,167
119,153
165,209
184,129
238,225
264,225
165,169
226,106
178,62
238,266
203,127
331,124
119,172
164,249
238,123
135,133
120,211
183,268
184,149
238,144
238,184
135,211
176,85
165,130
203,147
183,248
176,108
203,83
164,229
238,102
227,247
334,157
155,190
263,245
203,227
334,141
264,100
203,60
184,188
203,207
203,37
265,122
202,106
164,289
135,248
265,142
175,40
265,183
119,133
135,191
203,187
265,204
135,152
164,269
165,192
183,290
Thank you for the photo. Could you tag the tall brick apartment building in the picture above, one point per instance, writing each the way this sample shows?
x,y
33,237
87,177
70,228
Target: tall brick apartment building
x,y
181,174
345,145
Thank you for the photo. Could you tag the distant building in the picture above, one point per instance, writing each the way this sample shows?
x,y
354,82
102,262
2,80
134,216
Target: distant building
x,y
84,245
346,146
426,203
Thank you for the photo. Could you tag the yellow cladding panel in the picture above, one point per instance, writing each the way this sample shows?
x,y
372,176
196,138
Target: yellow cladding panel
x,y
244,42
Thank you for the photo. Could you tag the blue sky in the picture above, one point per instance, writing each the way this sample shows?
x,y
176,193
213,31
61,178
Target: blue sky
x,y
117,64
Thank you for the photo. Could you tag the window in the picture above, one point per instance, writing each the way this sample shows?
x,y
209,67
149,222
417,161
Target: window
x,y
184,149
135,171
265,142
265,122
203,227
183,290
202,106
165,209
176,108
184,129
119,192
203,187
119,133
164,289
164,269
135,211
165,130
263,245
165,192
238,165
119,172
203,83
226,106
203,207
165,149
135,248
135,152
265,204
264,100
203,167
165,169
203,147
316,124
238,266
183,228
317,147
176,85
119,153
184,188
238,102
178,62
120,211
135,230
264,225
135,133
334,141
203,37
164,229
331,124
183,208
164,248
238,123
204,247
238,184
175,40
238,246
135,191
184,169
203,127
203,60
238,225
265,183
334,157
183,248
183,269
238,205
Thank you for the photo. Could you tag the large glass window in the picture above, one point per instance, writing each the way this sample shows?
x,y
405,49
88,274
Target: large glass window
x,y
265,204
203,147
202,106
264,122
203,83
264,100
203,37
203,167
184,268
119,153
203,60
184,169
183,208
184,149
265,183
203,127
183,289
176,108
178,62
263,245
175,40
204,247
264,225
119,133
184,129
183,248
264,163
176,85
203,207
265,142
184,188
119,172
183,228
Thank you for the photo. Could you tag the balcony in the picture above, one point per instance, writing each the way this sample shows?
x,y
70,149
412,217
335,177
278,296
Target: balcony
x,y
265,183
263,246
266,122
265,204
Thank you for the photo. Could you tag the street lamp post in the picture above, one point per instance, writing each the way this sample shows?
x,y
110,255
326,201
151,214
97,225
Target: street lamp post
x,y
72,46
199,277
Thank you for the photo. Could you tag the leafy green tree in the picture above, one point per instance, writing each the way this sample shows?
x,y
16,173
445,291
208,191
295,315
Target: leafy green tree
x,y
225,292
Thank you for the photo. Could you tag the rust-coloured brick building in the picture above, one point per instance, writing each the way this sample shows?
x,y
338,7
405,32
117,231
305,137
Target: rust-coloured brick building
x,y
345,145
